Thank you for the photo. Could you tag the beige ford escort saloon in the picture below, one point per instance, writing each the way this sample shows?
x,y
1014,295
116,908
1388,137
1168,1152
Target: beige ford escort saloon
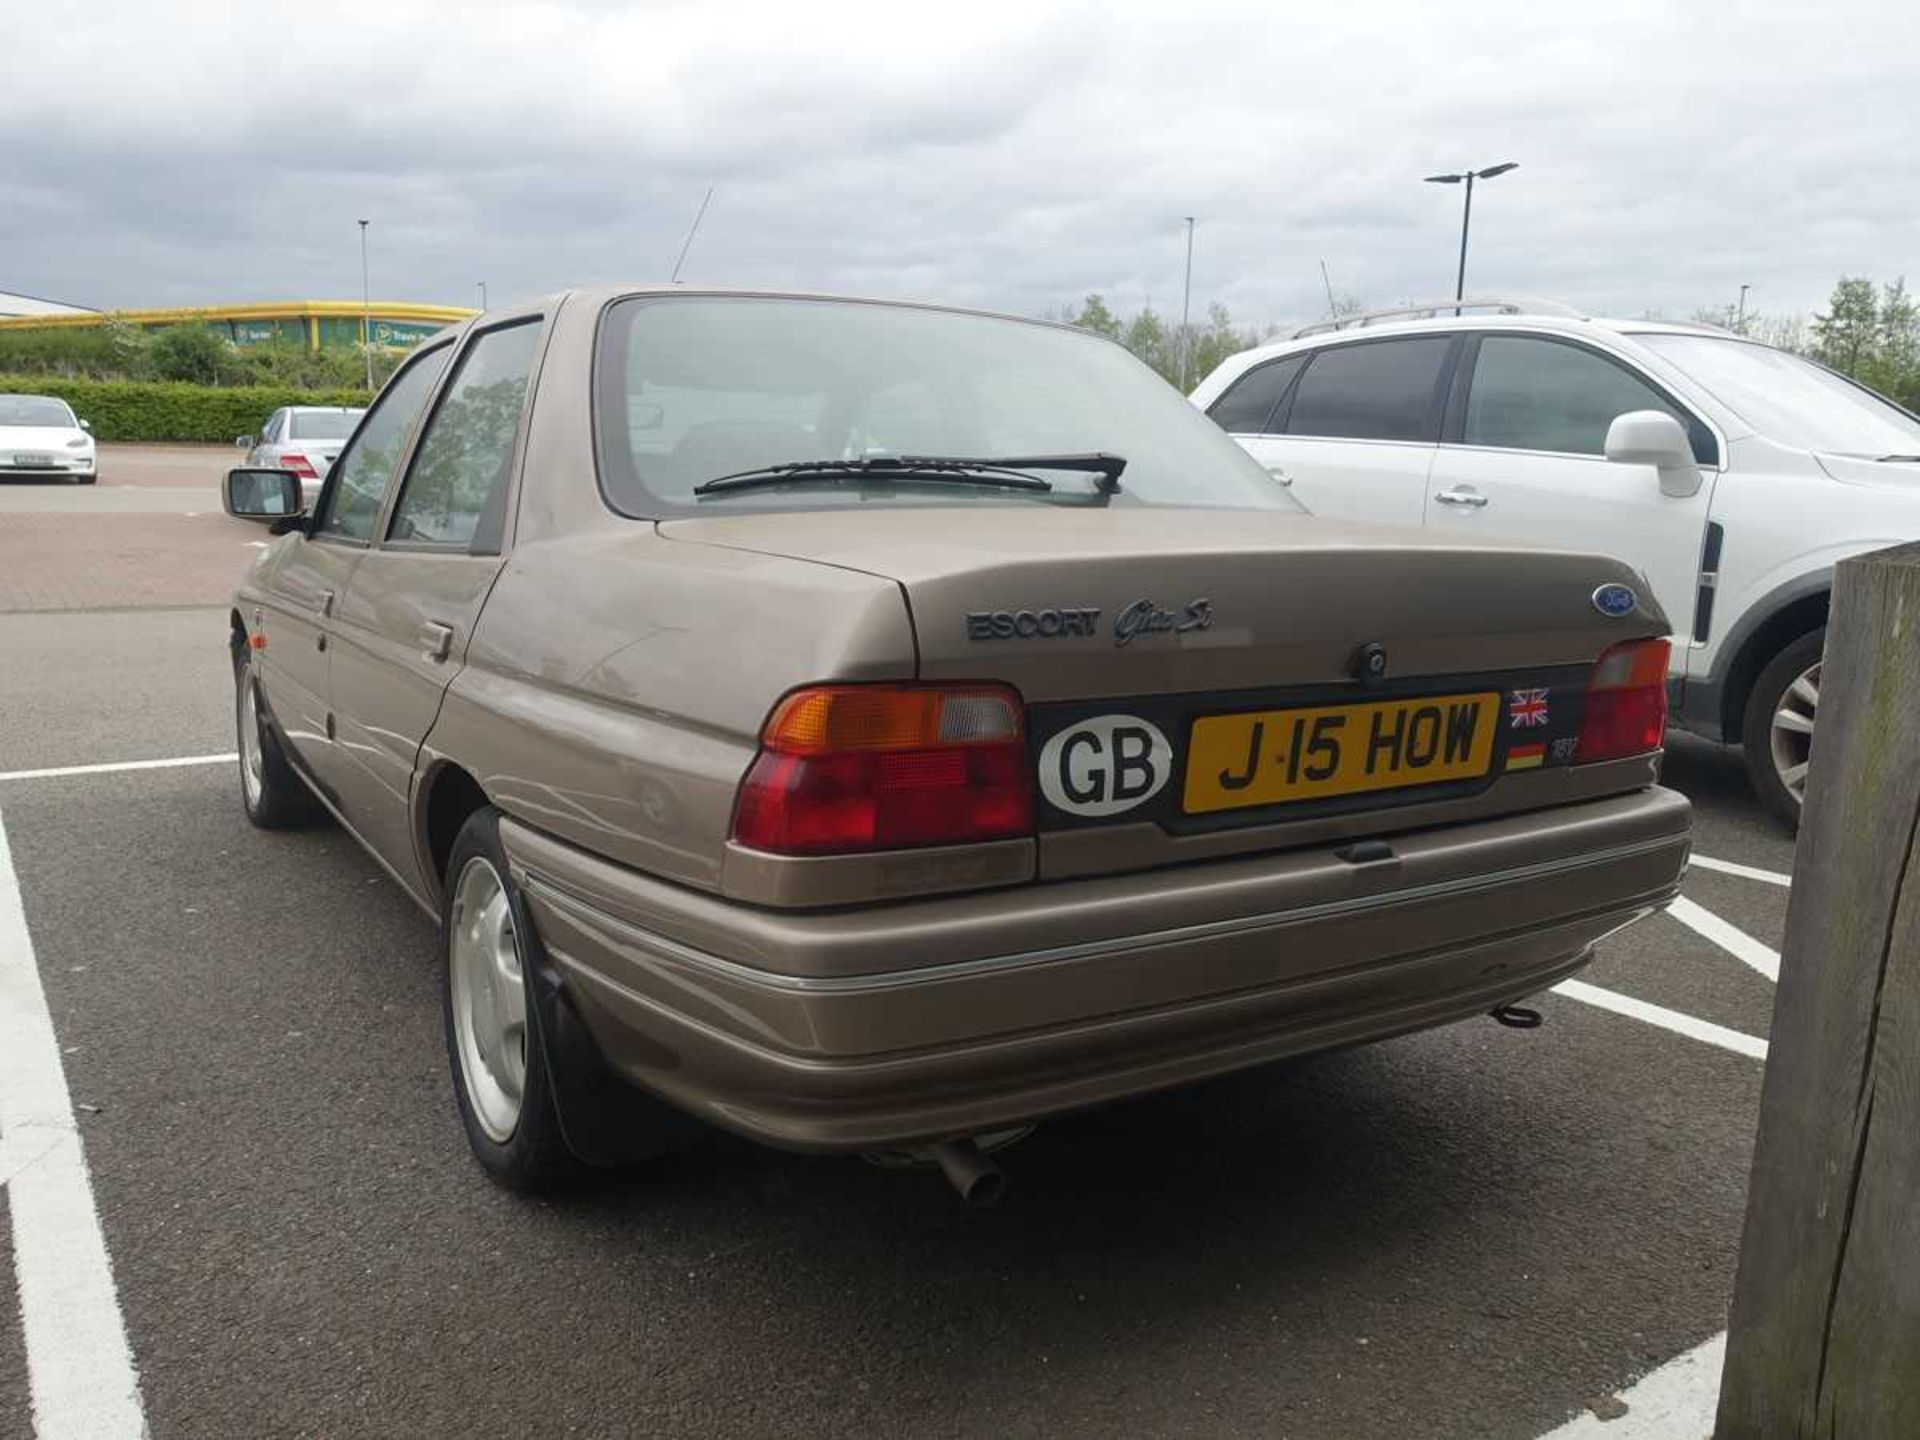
x,y
875,727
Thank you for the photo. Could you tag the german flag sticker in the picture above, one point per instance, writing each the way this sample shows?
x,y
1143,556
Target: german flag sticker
x,y
1526,757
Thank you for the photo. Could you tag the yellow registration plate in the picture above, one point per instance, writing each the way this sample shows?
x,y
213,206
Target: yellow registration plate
x,y
1272,757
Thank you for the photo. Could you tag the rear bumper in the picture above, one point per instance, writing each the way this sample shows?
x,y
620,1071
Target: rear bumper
x,y
895,1024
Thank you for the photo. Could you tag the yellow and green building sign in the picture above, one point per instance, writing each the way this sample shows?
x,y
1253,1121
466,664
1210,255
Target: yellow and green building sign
x,y
317,324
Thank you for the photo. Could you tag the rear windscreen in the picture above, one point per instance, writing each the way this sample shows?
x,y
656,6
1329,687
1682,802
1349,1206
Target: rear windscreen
x,y
323,424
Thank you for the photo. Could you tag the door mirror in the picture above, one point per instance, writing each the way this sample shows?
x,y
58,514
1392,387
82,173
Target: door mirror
x,y
262,494
1653,437
243,442
87,426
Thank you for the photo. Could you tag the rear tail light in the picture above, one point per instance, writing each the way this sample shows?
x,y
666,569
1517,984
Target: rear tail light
x,y
1626,702
300,466
845,768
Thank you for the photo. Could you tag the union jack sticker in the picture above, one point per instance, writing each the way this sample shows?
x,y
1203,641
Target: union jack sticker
x,y
1527,709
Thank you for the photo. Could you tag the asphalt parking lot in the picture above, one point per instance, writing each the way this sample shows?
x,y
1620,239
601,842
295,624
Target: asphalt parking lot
x,y
1472,1232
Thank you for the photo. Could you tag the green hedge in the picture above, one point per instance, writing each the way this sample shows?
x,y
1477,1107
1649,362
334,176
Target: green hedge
x,y
141,410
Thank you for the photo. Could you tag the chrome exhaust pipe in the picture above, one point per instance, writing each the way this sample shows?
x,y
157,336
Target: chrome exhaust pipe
x,y
972,1173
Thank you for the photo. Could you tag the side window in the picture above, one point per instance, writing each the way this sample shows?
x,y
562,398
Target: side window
x,y
358,481
270,432
1539,395
455,494
1375,390
1248,403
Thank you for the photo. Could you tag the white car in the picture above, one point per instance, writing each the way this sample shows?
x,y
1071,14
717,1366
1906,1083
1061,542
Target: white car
x,y
41,439
1731,474
305,439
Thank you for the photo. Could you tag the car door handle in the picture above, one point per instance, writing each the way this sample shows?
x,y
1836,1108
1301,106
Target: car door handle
x,y
1279,474
437,637
324,602
1472,499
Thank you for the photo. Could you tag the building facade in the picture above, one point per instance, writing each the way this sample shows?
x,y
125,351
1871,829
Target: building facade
x,y
316,324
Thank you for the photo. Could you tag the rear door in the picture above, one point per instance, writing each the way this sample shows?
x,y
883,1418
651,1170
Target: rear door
x,y
1525,459
1354,432
306,582
405,619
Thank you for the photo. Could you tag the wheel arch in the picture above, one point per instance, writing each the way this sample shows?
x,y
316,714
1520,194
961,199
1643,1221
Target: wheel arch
x,y
1785,619
447,796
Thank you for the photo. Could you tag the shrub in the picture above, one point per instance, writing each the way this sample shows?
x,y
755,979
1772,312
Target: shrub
x,y
192,353
168,410
200,354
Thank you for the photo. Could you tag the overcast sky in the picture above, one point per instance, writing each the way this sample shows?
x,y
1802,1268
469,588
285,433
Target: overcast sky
x,y
1016,156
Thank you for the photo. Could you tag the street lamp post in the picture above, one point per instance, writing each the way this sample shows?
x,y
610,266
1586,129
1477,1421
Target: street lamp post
x,y
366,309
1186,299
1466,216
1740,321
483,294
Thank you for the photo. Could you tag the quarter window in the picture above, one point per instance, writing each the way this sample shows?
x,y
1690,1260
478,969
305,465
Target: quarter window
x,y
1541,395
455,492
357,484
1379,390
1248,404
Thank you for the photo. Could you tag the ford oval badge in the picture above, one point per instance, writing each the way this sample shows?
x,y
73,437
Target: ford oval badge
x,y
1615,600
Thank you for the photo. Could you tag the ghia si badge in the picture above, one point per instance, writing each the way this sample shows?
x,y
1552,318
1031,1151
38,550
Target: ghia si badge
x,y
1143,617
1615,600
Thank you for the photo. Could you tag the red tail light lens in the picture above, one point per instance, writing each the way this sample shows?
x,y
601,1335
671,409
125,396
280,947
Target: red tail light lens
x,y
1626,703
300,466
849,768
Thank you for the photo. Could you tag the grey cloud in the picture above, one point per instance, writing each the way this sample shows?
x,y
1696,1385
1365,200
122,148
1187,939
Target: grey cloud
x,y
1010,155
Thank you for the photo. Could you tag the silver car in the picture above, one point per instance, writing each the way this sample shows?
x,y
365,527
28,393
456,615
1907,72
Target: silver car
x,y
305,439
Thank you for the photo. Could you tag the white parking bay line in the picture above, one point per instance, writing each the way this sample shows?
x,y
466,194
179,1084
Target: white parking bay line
x,y
1734,1040
1745,872
79,1368
1730,938
1676,1402
59,772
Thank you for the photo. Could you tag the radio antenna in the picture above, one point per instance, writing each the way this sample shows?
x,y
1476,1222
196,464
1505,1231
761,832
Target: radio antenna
x,y
674,279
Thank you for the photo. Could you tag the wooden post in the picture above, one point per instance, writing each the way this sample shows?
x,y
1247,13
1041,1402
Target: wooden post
x,y
1825,1334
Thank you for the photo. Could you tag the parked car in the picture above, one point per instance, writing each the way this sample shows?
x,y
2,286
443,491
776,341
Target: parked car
x,y
41,438
305,439
1732,475
867,726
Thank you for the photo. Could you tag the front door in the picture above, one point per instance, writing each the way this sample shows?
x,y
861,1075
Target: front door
x,y
305,586
404,622
301,587
1530,464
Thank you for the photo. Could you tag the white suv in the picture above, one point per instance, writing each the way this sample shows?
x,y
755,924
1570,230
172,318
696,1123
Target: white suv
x,y
1732,474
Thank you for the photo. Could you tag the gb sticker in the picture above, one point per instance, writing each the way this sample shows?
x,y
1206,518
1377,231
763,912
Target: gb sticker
x,y
1105,765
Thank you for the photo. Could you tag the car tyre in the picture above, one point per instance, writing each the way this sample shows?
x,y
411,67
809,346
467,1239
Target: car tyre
x,y
1777,730
274,796
501,1079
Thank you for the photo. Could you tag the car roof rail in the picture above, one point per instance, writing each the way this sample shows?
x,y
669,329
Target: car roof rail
x,y
1429,309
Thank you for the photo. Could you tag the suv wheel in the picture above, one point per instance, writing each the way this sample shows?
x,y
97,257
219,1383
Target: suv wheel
x,y
1778,727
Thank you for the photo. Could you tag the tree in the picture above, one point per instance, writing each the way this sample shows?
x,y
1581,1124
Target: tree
x,y
1845,337
1095,316
190,352
1896,367
1146,336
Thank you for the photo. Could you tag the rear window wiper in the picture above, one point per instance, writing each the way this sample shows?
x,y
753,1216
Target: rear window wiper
x,y
1008,473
